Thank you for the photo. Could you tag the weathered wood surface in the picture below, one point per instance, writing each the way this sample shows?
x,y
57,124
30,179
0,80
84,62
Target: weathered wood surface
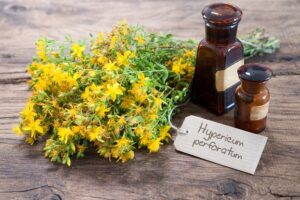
x,y
26,174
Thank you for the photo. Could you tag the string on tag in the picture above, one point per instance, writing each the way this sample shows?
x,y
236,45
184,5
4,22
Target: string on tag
x,y
178,130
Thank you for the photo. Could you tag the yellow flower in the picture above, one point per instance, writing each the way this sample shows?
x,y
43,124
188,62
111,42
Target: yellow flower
x,y
96,133
123,59
101,59
140,40
153,116
153,113
64,80
34,126
68,82
54,104
88,95
113,42
95,88
101,110
124,27
142,79
111,122
18,130
41,50
65,134
129,155
122,121
79,130
100,38
189,53
77,50
145,138
154,91
104,151
72,111
158,102
111,66
124,143
164,133
116,130
154,146
127,102
138,109
90,92
178,67
139,131
57,76
116,152
190,71
41,84
114,90
138,92
28,111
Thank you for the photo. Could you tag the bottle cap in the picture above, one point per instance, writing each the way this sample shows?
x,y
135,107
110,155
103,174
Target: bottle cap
x,y
222,14
255,73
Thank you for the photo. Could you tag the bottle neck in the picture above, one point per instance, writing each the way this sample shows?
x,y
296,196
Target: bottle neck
x,y
253,87
220,34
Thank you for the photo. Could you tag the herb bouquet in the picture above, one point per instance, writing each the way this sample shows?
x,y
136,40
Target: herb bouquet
x,y
113,92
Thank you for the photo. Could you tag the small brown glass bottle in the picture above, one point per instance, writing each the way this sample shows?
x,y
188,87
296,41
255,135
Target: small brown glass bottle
x,y
219,56
252,98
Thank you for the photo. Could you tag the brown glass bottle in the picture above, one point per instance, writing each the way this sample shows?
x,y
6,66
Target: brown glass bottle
x,y
252,98
219,56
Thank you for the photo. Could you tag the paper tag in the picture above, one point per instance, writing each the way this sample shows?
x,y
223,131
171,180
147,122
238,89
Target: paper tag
x,y
221,144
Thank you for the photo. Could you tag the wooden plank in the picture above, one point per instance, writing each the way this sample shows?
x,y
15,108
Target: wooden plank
x,y
26,174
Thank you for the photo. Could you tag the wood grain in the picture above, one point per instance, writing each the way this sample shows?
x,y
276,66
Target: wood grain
x,y
26,174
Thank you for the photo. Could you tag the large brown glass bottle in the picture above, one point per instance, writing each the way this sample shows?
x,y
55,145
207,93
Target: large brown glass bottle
x,y
219,56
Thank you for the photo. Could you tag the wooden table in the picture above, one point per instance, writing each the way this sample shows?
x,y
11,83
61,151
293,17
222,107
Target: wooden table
x,y
26,174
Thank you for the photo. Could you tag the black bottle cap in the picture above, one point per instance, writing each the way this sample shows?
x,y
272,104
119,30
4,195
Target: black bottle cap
x,y
255,72
222,14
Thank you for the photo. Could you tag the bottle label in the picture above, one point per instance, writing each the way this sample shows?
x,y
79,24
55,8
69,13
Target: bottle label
x,y
259,112
228,77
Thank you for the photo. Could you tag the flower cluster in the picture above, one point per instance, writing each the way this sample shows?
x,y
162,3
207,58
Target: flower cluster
x,y
113,92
